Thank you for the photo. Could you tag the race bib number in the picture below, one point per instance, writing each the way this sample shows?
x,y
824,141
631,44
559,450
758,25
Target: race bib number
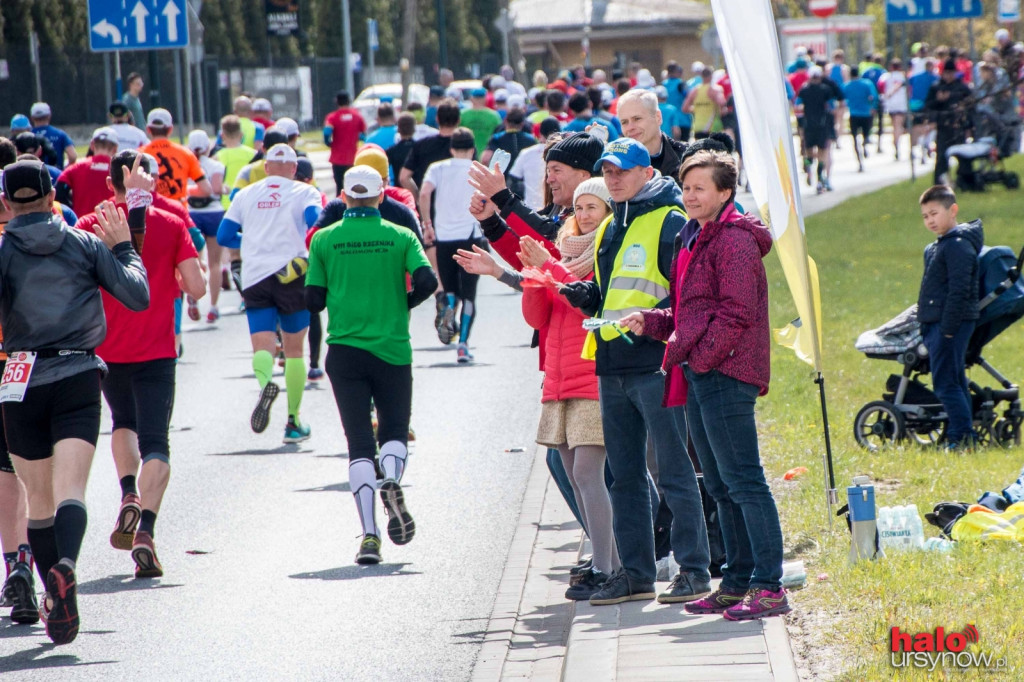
x,y
16,375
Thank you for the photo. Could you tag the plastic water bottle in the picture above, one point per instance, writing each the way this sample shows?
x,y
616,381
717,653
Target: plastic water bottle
x,y
938,545
794,575
916,527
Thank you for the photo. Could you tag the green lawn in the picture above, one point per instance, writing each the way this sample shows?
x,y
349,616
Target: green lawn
x,y
869,256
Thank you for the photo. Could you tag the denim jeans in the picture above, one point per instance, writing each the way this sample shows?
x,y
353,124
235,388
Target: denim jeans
x,y
720,416
630,409
947,357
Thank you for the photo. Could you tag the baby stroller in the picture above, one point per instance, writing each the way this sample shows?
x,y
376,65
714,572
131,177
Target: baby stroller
x,y
981,162
908,408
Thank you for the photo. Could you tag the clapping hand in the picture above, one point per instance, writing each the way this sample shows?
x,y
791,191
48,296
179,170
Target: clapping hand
x,y
487,181
111,225
478,262
532,252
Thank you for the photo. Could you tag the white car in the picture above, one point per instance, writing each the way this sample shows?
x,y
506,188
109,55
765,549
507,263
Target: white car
x,y
370,98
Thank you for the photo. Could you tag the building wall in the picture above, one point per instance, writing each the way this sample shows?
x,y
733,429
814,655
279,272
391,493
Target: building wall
x,y
652,52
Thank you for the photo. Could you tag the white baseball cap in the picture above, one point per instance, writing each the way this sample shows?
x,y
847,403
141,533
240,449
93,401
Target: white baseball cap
x,y
697,66
363,182
159,118
516,102
288,126
198,139
282,153
105,134
815,72
261,104
501,95
39,110
644,79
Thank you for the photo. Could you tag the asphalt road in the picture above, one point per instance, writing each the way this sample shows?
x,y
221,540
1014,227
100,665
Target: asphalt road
x,y
257,538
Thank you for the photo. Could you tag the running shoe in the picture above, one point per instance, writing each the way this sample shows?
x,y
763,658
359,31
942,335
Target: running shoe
x,y
464,355
241,307
716,602
440,304
60,605
295,432
144,555
369,550
20,591
401,527
446,325
213,315
193,309
127,521
315,374
759,604
685,587
261,414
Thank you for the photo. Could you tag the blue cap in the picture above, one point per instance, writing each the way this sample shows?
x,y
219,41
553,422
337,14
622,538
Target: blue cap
x,y
20,122
626,153
386,99
478,92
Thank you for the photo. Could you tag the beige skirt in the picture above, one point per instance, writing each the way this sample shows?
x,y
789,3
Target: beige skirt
x,y
572,422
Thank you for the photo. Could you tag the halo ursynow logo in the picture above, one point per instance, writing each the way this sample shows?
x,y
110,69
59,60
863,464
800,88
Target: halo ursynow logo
x,y
930,650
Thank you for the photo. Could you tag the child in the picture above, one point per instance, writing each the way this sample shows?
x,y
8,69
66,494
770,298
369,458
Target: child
x,y
947,307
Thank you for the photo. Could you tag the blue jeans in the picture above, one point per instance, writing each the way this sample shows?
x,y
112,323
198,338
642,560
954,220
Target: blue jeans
x,y
720,416
630,408
947,357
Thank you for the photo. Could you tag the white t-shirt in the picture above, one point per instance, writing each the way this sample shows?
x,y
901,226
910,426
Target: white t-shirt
x,y
211,168
272,215
452,195
128,136
893,86
423,131
529,167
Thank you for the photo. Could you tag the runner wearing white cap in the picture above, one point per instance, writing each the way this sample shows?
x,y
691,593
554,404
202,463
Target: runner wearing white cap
x,y
83,184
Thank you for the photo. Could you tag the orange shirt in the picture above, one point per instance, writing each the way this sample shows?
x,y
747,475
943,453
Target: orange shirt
x,y
177,166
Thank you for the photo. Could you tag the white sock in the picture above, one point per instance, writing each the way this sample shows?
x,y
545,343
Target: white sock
x,y
393,455
362,479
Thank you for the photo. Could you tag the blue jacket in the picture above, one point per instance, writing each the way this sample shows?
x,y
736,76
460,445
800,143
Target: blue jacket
x,y
949,287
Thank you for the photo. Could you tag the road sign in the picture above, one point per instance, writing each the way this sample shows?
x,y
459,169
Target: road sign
x,y
902,11
1009,11
137,25
371,32
823,8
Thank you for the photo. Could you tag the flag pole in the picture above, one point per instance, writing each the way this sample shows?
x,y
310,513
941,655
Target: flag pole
x,y
831,495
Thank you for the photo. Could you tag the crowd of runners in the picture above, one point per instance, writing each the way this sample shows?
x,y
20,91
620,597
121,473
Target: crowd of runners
x,y
610,199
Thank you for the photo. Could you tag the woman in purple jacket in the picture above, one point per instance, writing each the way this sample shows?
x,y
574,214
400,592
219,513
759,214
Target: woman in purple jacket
x,y
717,364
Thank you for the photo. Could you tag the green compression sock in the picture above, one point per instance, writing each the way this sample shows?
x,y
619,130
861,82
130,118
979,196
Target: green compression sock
x,y
263,366
295,384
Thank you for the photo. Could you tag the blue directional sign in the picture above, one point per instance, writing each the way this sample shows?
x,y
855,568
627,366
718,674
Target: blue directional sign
x,y
902,11
137,25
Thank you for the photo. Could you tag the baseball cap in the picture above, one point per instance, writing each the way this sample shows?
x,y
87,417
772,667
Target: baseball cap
x,y
463,138
516,102
478,92
373,157
661,91
288,126
626,153
282,153
498,82
261,104
198,139
303,169
363,182
644,79
39,110
815,72
697,66
26,142
159,118
1002,34
105,134
436,91
118,109
20,122
26,181
501,95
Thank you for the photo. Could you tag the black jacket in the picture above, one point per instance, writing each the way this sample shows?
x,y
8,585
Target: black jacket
x,y
950,114
670,159
949,287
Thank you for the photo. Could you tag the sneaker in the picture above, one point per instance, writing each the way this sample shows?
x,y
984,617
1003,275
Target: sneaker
x,y
440,304
446,325
20,591
619,588
582,567
261,414
464,355
401,527
369,550
759,604
213,315
590,582
193,309
127,521
716,602
685,587
241,307
144,555
60,605
295,432
315,374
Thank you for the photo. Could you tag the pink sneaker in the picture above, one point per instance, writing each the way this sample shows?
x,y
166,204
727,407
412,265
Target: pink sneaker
x,y
759,604
716,602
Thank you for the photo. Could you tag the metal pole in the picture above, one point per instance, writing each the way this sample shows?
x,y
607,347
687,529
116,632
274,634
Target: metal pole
x,y
34,49
372,75
442,34
106,75
201,92
117,74
346,20
154,80
970,39
831,496
179,109
189,114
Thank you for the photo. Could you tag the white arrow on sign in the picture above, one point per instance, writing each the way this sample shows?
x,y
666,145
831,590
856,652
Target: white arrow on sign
x,y
171,13
139,13
908,6
105,29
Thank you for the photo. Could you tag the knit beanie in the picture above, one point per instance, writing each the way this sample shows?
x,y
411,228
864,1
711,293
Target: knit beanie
x,y
594,187
581,151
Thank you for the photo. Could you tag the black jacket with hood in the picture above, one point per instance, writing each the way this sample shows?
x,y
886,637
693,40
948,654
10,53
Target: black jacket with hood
x,y
949,287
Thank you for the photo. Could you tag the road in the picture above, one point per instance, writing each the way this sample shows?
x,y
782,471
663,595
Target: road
x,y
257,538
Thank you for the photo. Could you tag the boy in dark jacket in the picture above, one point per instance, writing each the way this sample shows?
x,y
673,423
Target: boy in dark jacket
x,y
947,306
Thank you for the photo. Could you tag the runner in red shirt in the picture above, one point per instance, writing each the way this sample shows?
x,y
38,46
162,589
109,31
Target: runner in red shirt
x,y
343,129
141,357
83,184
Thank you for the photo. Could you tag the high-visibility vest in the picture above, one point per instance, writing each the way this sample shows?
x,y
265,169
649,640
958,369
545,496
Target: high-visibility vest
x,y
635,282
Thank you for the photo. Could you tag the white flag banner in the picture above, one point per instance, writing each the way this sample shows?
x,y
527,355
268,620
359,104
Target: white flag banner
x,y
751,48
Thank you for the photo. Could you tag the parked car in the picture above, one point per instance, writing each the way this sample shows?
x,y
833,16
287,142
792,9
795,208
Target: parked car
x,y
370,98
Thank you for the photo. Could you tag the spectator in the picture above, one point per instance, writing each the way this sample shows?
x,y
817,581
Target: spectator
x,y
641,120
133,88
947,101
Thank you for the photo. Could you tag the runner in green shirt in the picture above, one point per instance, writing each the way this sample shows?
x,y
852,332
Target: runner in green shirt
x,y
357,270
482,121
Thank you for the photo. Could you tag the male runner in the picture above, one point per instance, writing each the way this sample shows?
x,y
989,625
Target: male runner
x,y
141,356
369,356
275,214
83,184
177,164
61,142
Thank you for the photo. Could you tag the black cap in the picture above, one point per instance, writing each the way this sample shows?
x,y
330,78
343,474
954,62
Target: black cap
x,y
26,142
550,126
463,138
304,169
436,91
118,109
717,142
26,181
580,150
950,65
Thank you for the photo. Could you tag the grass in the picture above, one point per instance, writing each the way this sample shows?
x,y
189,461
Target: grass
x,y
869,256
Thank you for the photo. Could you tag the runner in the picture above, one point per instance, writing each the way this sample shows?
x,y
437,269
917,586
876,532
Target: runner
x,y
275,214
704,103
862,99
52,431
58,139
512,139
263,112
206,213
387,129
252,132
893,87
526,174
480,120
369,355
141,356
83,184
128,135
818,122
343,129
177,164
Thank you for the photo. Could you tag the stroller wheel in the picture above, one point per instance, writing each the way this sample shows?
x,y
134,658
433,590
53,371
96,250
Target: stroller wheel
x,y
1011,180
879,424
927,433
1006,432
